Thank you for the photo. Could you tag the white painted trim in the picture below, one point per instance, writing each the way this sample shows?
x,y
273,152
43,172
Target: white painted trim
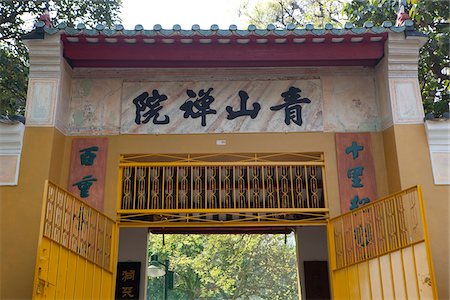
x,y
11,141
438,134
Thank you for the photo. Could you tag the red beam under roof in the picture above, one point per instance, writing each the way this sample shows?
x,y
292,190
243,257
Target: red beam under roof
x,y
160,54
222,230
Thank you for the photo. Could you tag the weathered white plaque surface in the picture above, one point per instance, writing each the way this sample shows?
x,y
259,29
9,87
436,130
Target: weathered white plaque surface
x,y
172,119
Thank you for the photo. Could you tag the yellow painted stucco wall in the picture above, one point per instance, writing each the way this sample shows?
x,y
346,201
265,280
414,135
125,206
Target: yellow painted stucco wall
x,y
400,155
408,162
21,209
46,154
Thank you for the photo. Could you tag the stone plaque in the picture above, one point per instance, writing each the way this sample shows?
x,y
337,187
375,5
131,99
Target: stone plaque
x,y
221,106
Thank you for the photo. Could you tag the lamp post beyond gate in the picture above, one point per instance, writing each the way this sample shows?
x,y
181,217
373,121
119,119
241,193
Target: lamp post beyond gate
x,y
158,269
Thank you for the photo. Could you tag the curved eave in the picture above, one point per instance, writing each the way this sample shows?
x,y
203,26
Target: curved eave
x,y
122,51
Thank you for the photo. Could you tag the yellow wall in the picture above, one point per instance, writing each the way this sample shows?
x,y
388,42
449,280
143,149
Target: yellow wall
x,y
21,210
236,143
46,154
408,164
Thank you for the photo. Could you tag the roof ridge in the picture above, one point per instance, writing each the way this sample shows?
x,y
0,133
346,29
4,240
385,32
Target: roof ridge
x,y
270,29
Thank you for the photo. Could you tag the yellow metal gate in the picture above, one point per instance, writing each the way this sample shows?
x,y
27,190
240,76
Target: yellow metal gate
x,y
76,251
381,251
222,190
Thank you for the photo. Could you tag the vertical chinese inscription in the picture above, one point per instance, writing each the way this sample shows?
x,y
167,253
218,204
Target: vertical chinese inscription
x,y
128,280
87,170
357,183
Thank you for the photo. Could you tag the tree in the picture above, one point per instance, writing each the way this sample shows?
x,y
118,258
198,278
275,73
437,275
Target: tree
x,y
227,266
296,12
13,24
430,17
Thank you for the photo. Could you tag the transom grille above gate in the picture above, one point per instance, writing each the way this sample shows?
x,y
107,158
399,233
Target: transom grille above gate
x,y
222,190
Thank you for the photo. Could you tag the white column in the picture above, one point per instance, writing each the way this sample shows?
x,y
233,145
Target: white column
x,y
11,139
397,81
49,84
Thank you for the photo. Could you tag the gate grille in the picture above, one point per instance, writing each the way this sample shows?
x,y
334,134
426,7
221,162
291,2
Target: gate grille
x,y
222,188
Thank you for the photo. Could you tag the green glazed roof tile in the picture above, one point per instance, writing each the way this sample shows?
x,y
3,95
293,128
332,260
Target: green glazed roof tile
x,y
166,32
368,24
358,30
300,31
271,27
71,31
91,32
109,32
251,27
214,30
186,32
129,32
39,24
409,23
223,32
261,32
387,24
281,32
148,33
81,26
290,26
377,29
318,31
205,32
242,32
397,29
51,30
338,31
62,25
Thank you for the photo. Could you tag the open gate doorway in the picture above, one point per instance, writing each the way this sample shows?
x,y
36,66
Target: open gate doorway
x,y
222,193
301,250
376,251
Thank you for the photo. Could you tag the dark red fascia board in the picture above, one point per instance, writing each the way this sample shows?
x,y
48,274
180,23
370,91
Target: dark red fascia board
x,y
217,64
222,230
139,54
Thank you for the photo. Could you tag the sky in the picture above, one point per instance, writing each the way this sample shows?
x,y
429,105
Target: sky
x,y
183,12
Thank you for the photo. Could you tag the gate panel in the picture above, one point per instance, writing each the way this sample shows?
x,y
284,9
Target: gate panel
x,y
381,251
219,190
76,249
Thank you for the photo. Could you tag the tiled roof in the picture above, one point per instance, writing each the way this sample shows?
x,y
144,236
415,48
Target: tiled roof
x,y
215,47
214,30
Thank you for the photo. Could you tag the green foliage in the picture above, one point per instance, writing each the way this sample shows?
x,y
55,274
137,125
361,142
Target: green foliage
x,y
430,17
227,267
14,54
297,12
13,83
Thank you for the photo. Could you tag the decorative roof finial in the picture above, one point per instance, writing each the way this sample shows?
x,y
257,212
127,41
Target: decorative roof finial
x,y
45,17
402,16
